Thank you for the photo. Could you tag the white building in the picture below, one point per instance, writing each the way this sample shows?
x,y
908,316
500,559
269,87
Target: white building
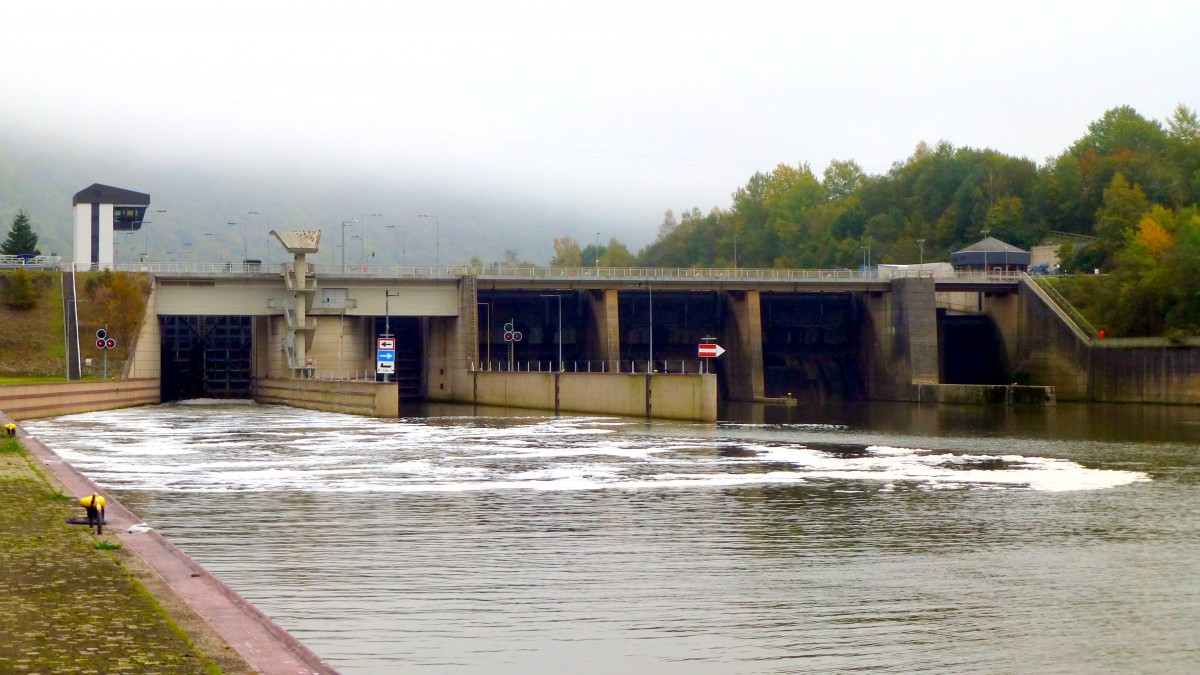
x,y
99,211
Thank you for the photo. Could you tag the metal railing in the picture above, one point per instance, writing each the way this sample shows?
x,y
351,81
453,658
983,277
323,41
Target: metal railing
x,y
666,274
345,375
626,366
1057,298
33,262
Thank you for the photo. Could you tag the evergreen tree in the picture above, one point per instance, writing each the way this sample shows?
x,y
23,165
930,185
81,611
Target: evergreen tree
x,y
21,238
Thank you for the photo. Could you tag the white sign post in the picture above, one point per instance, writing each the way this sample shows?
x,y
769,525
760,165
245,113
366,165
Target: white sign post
x,y
385,356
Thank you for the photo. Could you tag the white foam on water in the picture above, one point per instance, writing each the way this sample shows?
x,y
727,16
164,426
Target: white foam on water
x,y
219,446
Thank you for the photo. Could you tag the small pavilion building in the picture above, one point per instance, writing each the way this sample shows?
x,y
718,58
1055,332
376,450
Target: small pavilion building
x,y
992,255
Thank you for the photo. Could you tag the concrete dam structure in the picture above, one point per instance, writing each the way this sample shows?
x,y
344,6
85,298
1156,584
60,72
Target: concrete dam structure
x,y
609,341
615,341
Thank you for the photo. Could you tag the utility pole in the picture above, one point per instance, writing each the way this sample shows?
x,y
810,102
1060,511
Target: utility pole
x,y
559,298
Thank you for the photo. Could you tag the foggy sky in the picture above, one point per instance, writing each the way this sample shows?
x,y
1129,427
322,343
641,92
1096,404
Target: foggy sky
x,y
618,110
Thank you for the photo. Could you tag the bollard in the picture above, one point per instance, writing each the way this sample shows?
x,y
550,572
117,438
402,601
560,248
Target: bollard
x,y
94,504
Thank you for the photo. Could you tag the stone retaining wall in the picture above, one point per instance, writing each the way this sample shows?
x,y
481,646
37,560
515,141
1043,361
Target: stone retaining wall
x,y
51,399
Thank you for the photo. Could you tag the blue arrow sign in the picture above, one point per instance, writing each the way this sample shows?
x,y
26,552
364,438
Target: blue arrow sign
x,y
387,355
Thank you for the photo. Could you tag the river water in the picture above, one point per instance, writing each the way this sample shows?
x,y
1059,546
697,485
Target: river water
x,y
889,538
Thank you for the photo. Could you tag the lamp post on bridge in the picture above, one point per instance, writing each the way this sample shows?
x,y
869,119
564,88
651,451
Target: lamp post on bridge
x,y
345,223
363,232
559,298
985,232
488,306
146,248
437,238
267,253
921,267
245,242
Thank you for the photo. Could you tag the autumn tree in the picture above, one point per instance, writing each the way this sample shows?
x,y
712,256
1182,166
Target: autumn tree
x,y
842,179
566,253
122,298
616,255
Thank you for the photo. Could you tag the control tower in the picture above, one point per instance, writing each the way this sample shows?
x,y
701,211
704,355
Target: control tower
x,y
101,210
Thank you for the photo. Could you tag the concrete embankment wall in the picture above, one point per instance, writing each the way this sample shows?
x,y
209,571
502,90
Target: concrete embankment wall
x,y
685,397
1050,350
1129,371
372,399
51,399
1053,351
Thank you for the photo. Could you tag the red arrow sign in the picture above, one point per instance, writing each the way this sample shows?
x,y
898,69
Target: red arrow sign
x,y
710,350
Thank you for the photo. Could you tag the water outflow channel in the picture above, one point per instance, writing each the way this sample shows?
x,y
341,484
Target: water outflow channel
x,y
524,543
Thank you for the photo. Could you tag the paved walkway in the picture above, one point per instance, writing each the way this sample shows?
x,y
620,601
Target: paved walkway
x,y
74,602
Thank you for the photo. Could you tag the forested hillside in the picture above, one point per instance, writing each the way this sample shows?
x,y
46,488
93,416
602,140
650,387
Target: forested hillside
x,y
949,197
1130,187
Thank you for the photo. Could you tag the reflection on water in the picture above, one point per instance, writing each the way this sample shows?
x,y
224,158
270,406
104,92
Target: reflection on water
x,y
894,538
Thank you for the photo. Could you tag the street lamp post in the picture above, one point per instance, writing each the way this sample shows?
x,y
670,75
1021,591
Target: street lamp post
x,y
488,306
985,264
394,246
345,223
363,232
597,254
559,298
146,248
921,267
267,253
437,238
387,327
650,353
245,242
735,250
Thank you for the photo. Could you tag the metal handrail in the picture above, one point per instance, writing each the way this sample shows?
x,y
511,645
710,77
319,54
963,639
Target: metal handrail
x,y
621,367
1067,308
559,273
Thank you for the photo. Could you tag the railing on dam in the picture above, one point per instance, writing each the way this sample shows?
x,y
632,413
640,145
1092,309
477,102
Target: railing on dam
x,y
623,366
626,366
517,273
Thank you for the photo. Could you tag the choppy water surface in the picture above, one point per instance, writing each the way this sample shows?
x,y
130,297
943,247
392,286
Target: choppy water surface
x,y
887,538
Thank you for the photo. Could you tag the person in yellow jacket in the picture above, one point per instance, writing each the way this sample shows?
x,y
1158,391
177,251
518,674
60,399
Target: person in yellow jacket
x,y
10,430
94,504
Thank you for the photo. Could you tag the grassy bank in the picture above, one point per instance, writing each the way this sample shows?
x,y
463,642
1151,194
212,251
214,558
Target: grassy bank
x,y
33,340
71,601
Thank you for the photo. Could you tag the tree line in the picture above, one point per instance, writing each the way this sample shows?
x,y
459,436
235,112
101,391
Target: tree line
x,y
1121,200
